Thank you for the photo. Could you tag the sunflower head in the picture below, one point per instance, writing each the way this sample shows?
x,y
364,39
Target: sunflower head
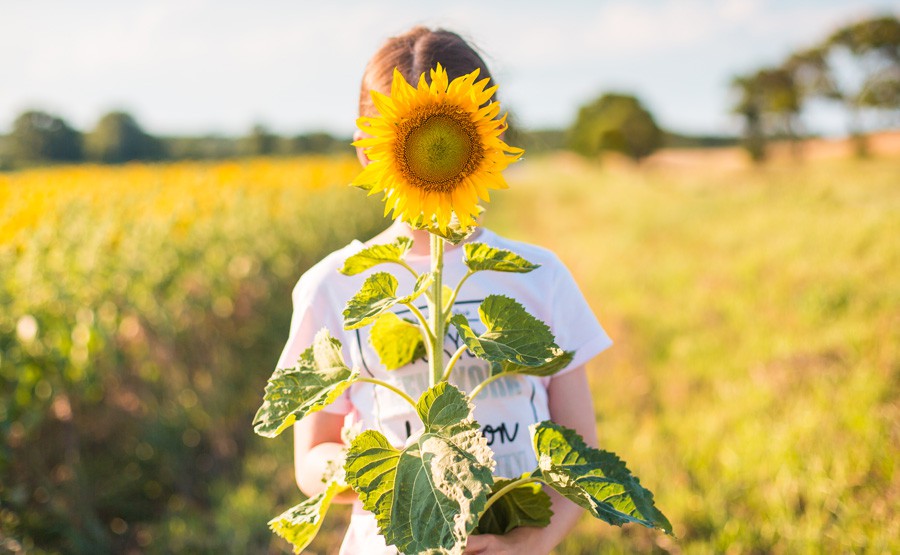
x,y
435,149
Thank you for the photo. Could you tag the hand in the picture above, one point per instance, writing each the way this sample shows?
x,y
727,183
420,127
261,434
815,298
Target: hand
x,y
518,542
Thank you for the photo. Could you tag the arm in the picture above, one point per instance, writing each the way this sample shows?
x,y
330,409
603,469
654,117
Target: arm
x,y
317,442
572,406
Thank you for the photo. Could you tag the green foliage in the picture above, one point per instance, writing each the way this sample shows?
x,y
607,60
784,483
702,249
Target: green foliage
x,y
752,314
300,524
319,377
377,295
479,256
557,361
137,329
397,341
377,254
427,496
771,99
615,122
118,138
525,505
259,142
596,480
41,137
511,334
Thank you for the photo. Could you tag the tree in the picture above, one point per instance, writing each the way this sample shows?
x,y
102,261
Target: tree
x,y
41,137
749,105
874,47
118,138
260,142
317,142
615,122
770,103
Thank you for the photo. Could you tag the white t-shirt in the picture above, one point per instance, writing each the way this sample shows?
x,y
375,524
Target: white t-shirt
x,y
504,409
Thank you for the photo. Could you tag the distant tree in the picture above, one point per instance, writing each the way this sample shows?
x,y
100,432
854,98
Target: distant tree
x,y
615,122
750,106
874,47
41,137
260,142
318,142
118,138
770,103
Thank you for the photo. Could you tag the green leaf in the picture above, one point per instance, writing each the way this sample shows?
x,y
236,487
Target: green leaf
x,y
511,334
300,524
319,377
378,295
560,360
594,479
482,257
427,496
377,254
524,505
397,341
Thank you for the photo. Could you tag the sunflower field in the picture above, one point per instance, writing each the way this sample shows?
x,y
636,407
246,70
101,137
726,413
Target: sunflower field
x,y
143,308
754,384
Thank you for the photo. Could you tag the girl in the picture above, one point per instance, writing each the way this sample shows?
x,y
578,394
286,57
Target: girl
x,y
508,406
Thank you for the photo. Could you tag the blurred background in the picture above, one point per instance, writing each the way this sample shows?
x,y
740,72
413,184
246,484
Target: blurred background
x,y
723,179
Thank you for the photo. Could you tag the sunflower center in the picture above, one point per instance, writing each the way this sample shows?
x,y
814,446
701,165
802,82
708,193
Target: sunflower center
x,y
438,148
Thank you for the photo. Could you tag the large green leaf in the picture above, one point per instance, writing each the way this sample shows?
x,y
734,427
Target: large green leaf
x,y
511,334
397,341
377,254
483,257
594,479
300,524
525,505
427,496
378,295
318,378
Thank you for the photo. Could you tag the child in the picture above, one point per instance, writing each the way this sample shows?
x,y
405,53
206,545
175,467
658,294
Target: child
x,y
504,409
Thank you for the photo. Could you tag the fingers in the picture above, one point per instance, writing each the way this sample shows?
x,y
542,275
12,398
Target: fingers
x,y
476,545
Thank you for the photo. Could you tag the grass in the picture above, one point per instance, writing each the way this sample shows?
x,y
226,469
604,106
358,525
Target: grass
x,y
753,385
754,382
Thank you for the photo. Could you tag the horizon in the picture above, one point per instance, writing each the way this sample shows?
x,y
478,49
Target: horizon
x,y
200,68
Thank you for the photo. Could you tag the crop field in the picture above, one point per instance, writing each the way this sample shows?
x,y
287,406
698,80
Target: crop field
x,y
754,384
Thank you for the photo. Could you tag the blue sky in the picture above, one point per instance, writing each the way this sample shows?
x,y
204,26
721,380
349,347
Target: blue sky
x,y
198,66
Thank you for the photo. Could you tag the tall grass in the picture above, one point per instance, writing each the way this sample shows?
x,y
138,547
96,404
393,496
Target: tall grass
x,y
753,384
755,380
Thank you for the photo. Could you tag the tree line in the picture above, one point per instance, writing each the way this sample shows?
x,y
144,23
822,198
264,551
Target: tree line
x,y
38,137
857,68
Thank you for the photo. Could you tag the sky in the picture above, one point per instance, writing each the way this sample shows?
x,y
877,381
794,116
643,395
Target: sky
x,y
221,66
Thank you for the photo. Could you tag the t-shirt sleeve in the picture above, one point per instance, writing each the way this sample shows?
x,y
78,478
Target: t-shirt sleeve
x,y
312,313
573,322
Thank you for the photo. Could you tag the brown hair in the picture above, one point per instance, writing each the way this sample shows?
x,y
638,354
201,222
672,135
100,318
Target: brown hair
x,y
413,53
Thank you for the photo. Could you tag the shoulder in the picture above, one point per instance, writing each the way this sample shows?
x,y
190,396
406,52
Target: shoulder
x,y
324,275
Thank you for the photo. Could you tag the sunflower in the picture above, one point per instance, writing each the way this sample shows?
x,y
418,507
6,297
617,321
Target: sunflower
x,y
435,149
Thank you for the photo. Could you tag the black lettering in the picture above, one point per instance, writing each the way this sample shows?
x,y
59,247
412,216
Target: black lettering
x,y
490,433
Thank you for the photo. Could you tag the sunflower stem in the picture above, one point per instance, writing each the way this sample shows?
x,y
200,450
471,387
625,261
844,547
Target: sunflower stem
x,y
459,285
452,363
480,387
436,311
508,488
395,389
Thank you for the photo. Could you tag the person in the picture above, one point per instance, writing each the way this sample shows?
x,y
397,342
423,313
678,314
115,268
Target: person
x,y
508,406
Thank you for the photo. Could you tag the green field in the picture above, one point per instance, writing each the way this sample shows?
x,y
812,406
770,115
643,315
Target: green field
x,y
755,380
754,385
